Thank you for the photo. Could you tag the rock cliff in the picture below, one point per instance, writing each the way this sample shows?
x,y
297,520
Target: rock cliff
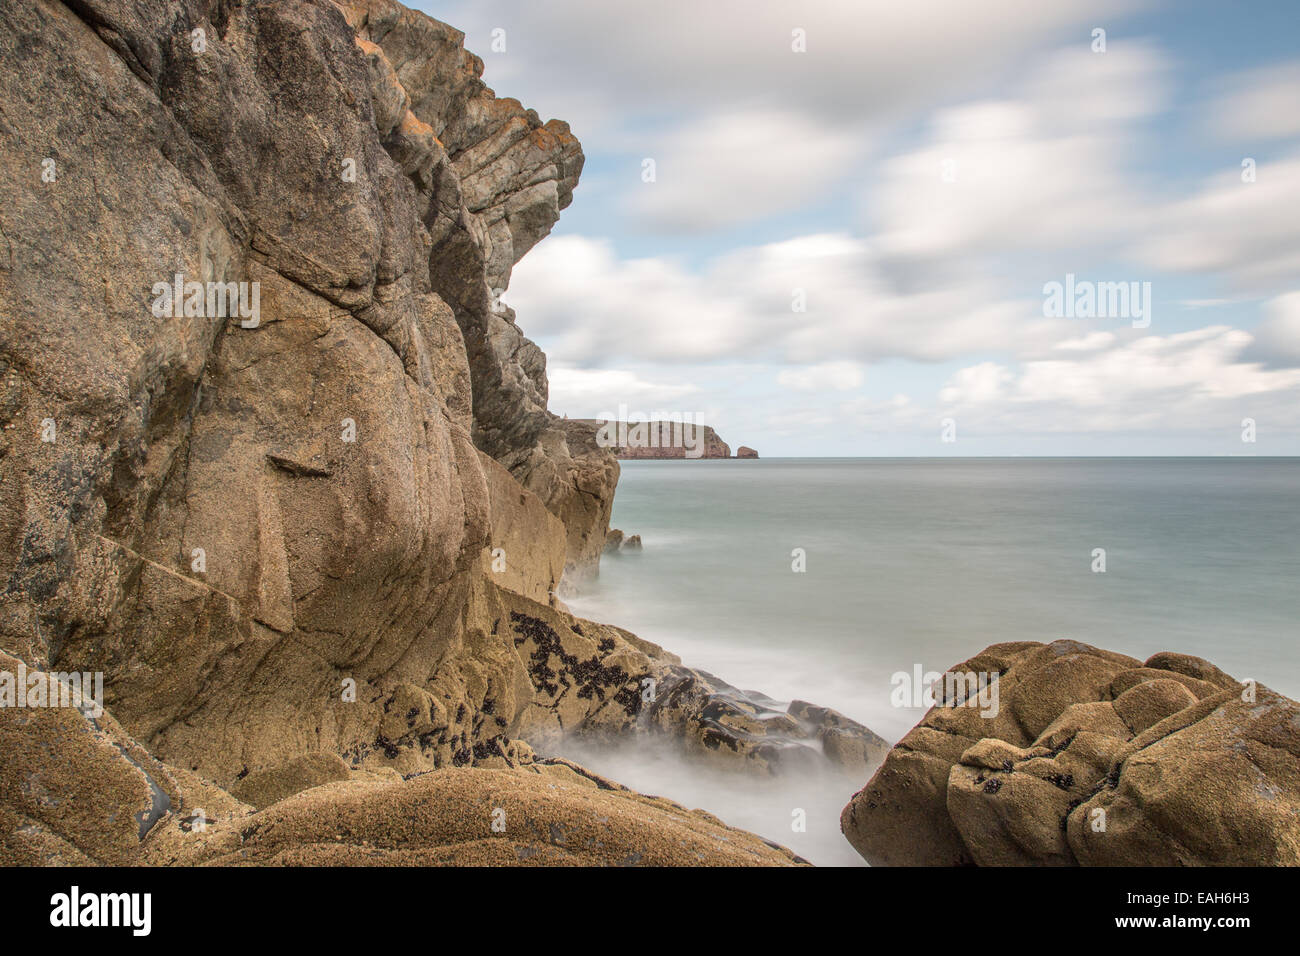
x,y
498,178
232,519
277,463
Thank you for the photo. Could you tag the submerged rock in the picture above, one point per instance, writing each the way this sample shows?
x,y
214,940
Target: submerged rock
x,y
1094,758
616,542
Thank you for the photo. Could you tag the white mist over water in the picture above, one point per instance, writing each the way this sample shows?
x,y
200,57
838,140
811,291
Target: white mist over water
x,y
928,561
656,766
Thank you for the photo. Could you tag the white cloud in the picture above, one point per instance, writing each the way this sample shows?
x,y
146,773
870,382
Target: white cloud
x,y
590,307
1277,337
593,308
727,168
977,385
1087,343
1185,380
1246,231
863,60
835,376
1259,105
742,126
1046,169
591,392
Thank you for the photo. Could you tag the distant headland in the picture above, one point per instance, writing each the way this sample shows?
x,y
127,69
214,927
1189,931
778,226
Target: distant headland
x,y
661,439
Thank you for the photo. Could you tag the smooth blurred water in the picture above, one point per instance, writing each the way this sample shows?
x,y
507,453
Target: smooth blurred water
x,y
927,561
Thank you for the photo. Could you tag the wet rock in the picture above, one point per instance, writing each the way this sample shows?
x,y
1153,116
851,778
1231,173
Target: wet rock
x,y
68,786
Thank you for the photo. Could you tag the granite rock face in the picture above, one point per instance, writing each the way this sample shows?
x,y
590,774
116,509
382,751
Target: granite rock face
x,y
268,530
305,512
498,179
1093,758
576,478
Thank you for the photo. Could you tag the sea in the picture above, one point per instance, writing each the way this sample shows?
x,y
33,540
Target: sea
x,y
825,579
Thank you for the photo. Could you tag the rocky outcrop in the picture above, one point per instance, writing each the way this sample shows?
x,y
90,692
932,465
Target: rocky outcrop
x,y
527,549
77,791
745,730
498,179
575,477
744,451
1092,758
617,543
268,533
548,815
275,461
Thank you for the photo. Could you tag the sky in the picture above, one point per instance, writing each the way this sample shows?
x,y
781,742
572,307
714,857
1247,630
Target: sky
x,y
832,228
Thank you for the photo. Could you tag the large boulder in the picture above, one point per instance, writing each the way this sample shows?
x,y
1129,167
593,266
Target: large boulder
x,y
1092,758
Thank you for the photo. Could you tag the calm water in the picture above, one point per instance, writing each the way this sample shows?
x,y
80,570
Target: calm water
x,y
916,561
